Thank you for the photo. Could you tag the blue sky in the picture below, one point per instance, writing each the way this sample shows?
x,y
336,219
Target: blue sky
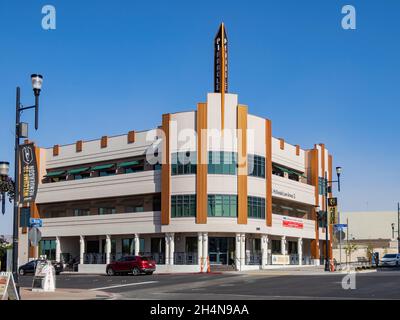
x,y
111,67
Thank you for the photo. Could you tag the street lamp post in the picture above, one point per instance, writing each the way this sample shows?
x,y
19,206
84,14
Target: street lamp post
x,y
327,190
37,81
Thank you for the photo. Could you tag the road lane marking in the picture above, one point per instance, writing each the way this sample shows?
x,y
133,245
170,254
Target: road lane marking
x,y
123,285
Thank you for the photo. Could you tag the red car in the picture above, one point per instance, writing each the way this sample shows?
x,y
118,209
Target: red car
x,y
131,264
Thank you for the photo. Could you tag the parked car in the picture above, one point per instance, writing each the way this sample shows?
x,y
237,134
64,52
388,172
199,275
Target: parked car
x,y
390,260
30,267
131,264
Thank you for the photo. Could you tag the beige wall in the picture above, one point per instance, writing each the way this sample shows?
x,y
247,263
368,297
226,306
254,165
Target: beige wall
x,y
370,224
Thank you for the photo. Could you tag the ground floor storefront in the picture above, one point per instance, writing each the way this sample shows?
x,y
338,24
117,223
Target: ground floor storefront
x,y
181,252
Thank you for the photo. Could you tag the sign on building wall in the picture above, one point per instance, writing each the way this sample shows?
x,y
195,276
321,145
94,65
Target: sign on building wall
x,y
332,210
28,173
292,223
280,259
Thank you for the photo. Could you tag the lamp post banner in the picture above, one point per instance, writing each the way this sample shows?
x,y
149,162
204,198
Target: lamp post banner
x,y
28,173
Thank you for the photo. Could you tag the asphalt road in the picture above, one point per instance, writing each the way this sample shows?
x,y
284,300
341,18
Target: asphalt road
x,y
384,284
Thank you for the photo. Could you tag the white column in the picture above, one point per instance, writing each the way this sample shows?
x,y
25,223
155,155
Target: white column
x,y
82,249
300,250
283,245
264,250
237,251
58,249
137,244
205,251
243,250
171,248
108,249
167,248
199,248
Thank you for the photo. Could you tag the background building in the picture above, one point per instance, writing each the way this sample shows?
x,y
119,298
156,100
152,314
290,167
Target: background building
x,y
369,230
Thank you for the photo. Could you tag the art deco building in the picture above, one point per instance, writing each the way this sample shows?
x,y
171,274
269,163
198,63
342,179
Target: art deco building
x,y
208,185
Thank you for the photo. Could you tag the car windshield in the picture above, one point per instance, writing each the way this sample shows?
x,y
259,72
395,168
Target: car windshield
x,y
389,256
145,258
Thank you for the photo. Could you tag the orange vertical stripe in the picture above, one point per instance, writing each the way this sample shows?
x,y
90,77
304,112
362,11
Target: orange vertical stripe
x,y
166,173
242,164
314,181
202,156
268,171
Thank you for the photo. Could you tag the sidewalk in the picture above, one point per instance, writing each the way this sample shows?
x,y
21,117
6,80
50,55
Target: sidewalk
x,y
305,271
65,294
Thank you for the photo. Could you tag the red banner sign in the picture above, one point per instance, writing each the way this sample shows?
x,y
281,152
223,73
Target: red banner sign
x,y
292,223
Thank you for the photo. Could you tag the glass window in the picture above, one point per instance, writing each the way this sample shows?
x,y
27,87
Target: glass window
x,y
81,176
81,212
183,163
48,248
276,247
256,166
107,210
220,162
183,205
222,205
256,207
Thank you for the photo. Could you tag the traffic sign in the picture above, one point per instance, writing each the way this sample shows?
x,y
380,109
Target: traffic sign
x,y
34,236
340,225
34,222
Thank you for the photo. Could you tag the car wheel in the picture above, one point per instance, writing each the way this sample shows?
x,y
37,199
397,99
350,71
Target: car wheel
x,y
21,272
110,272
136,271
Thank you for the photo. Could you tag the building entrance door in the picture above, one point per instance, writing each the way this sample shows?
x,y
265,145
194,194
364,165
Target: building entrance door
x,y
221,250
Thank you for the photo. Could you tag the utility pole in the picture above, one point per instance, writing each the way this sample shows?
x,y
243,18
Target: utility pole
x,y
398,227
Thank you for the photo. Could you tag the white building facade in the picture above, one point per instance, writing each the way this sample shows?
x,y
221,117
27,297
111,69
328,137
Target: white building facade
x,y
208,187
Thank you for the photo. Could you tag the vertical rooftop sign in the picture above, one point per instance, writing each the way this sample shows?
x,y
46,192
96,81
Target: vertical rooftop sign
x,y
221,67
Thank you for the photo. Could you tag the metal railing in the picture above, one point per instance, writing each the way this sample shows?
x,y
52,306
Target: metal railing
x,y
158,257
253,258
94,258
185,258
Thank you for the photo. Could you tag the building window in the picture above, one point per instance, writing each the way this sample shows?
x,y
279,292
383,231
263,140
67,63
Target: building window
x,y
278,171
157,203
183,206
220,162
222,205
107,210
256,166
183,163
134,208
256,207
81,176
128,246
81,212
276,247
292,247
48,248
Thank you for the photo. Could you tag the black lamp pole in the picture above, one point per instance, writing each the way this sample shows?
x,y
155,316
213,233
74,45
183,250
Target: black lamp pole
x,y
37,84
327,190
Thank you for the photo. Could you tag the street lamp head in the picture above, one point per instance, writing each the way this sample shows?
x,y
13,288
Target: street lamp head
x,y
338,170
37,81
4,168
